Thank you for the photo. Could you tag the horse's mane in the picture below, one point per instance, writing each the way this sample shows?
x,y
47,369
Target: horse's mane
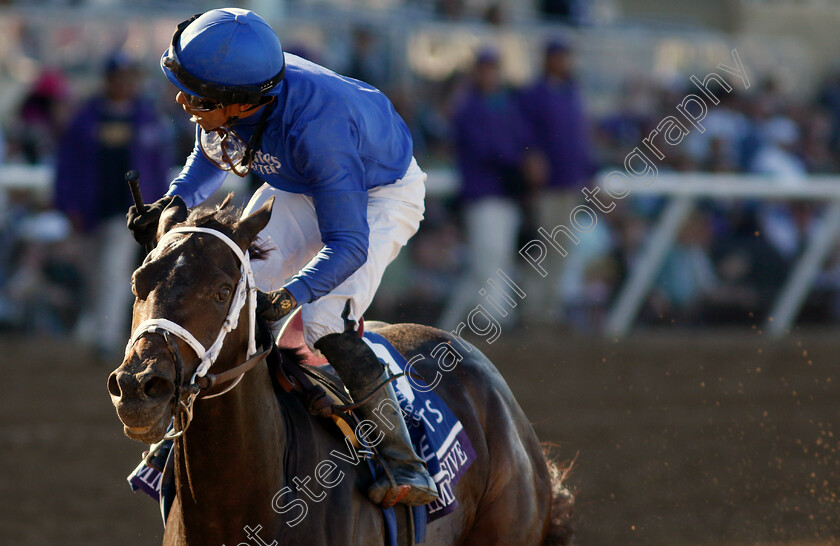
x,y
224,218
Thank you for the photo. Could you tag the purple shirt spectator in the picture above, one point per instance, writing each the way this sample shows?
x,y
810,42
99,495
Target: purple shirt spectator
x,y
554,109
79,186
490,138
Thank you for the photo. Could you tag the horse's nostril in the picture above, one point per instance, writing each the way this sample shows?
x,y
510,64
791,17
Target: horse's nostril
x,y
156,387
113,385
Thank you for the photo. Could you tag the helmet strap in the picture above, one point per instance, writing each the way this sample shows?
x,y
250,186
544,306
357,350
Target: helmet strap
x,y
256,138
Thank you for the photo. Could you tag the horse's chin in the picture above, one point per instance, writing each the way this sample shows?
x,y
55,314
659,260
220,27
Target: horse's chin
x,y
150,434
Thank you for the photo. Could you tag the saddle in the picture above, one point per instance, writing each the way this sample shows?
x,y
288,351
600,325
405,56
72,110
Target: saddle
x,y
312,378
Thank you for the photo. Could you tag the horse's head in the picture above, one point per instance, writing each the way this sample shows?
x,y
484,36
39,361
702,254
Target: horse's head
x,y
188,287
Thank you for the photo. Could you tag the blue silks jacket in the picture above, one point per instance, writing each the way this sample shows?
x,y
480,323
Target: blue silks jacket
x,y
327,136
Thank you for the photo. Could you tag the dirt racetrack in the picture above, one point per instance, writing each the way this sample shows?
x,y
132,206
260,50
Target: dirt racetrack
x,y
680,437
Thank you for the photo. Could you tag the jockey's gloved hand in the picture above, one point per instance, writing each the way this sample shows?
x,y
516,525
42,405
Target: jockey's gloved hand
x,y
275,305
144,225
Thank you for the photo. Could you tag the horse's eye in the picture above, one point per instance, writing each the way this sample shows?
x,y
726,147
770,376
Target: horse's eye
x,y
223,294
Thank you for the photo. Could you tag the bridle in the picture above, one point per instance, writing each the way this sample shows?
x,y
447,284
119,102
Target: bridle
x,y
202,383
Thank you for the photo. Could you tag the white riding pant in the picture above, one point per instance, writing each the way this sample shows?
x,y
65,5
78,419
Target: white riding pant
x,y
394,213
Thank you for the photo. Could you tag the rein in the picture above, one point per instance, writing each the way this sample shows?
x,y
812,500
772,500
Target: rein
x,y
203,383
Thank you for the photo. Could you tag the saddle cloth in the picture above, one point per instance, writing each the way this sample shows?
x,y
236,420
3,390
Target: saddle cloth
x,y
438,436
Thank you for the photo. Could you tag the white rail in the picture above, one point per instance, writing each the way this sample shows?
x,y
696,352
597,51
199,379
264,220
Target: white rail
x,y
32,178
684,190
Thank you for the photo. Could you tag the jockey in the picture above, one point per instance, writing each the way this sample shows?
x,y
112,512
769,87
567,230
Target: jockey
x,y
348,195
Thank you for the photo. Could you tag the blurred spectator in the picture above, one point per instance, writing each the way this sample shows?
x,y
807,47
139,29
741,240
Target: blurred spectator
x,y
490,148
428,124
452,10
762,130
590,273
688,276
815,149
418,288
304,51
777,155
829,98
630,236
495,15
116,130
44,290
368,60
750,271
40,118
569,11
554,109
622,130
773,100
3,149
717,149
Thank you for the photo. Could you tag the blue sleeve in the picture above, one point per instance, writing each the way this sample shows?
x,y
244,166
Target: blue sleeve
x,y
198,180
326,155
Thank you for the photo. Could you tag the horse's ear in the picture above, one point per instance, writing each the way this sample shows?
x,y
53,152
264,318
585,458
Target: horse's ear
x,y
248,227
226,202
174,213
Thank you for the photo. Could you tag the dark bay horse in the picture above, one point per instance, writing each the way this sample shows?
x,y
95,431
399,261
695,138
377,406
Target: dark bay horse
x,y
245,469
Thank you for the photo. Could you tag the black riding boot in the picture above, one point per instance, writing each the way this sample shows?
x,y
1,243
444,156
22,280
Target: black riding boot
x,y
361,371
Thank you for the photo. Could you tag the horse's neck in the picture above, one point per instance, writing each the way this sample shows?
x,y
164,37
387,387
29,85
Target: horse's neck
x,y
231,457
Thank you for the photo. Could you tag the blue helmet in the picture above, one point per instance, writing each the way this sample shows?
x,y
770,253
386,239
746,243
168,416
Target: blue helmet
x,y
230,55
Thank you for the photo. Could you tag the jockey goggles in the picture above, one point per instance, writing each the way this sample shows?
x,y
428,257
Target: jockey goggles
x,y
222,94
201,104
